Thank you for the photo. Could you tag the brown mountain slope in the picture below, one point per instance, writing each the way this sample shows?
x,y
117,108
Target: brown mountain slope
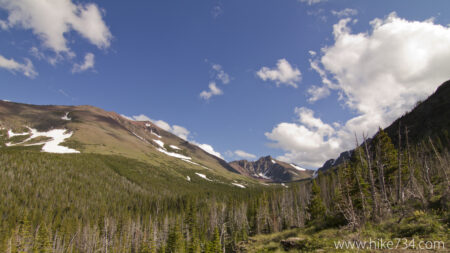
x,y
102,132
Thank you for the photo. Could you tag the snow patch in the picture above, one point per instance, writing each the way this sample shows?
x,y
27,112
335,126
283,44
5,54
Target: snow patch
x,y
51,146
282,184
202,176
273,161
263,176
297,167
188,178
293,173
191,162
12,134
204,167
160,143
66,117
142,139
155,134
175,147
174,154
238,185
148,125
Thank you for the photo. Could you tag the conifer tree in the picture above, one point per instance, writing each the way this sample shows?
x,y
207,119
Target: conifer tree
x,y
316,207
216,245
175,242
386,163
43,243
25,239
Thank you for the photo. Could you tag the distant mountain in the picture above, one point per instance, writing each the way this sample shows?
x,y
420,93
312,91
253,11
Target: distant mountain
x,y
88,129
430,118
271,170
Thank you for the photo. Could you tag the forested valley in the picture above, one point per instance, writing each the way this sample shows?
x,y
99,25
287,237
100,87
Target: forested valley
x,y
393,185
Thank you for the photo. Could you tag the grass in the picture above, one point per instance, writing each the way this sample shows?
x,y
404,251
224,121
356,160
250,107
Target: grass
x,y
418,226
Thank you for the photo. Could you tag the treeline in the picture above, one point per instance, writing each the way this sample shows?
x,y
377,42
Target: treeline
x,y
101,203
381,181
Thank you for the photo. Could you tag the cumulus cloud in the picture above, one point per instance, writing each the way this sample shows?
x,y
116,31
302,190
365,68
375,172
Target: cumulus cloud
x,y
317,93
50,20
309,141
284,73
220,73
347,12
26,68
379,74
213,91
208,149
180,131
89,61
243,154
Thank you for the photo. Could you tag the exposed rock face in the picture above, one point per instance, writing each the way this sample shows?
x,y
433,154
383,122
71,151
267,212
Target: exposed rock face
x,y
269,169
335,162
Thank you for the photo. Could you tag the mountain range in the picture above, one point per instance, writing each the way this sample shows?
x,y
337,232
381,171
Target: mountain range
x,y
88,129
84,179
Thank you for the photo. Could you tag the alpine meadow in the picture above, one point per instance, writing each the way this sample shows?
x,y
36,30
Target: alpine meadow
x,y
224,126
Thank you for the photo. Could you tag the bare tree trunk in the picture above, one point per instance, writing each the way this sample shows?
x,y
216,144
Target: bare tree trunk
x,y
361,194
371,180
380,168
399,182
441,161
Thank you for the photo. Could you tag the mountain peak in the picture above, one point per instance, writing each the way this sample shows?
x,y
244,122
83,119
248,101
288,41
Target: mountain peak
x,y
268,169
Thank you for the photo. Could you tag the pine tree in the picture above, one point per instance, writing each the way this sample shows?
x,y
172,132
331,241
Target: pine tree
x,y
216,245
25,239
316,207
386,163
175,242
43,243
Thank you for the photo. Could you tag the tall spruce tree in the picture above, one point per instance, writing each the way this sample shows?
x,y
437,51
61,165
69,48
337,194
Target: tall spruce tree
x,y
316,207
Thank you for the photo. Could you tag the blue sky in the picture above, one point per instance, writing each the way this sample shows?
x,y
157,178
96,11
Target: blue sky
x,y
156,57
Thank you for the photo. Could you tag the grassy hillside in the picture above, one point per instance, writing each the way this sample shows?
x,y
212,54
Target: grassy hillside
x,y
101,132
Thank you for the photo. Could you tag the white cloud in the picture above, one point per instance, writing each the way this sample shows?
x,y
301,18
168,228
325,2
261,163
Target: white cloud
x,y
317,93
379,74
208,149
140,117
180,131
25,68
308,142
220,74
284,73
244,154
347,12
311,2
213,91
89,61
50,20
